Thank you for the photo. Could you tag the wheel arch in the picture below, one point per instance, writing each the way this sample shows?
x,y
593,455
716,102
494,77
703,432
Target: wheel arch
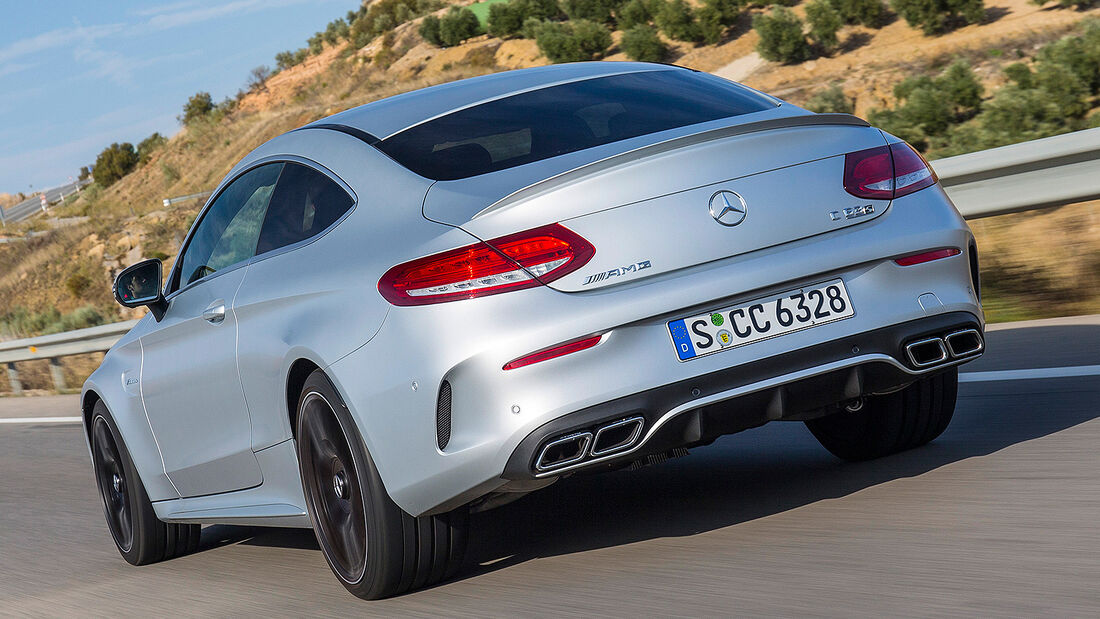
x,y
299,371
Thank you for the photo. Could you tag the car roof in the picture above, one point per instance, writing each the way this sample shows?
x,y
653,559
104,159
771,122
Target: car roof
x,y
391,115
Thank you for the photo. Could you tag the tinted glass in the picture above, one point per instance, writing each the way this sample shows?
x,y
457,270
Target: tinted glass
x,y
305,204
230,228
562,119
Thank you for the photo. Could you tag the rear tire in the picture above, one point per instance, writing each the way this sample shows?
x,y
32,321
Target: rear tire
x,y
891,423
139,536
374,548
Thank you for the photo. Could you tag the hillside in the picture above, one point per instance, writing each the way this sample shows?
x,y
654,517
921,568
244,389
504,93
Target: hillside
x,y
45,281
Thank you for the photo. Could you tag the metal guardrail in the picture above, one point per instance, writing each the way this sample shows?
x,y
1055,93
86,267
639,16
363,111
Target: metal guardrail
x,y
202,195
1043,173
57,345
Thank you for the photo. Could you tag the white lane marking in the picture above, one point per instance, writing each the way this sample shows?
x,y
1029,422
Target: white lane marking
x,y
41,420
1062,372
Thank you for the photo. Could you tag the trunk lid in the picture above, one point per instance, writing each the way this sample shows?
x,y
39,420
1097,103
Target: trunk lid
x,y
649,211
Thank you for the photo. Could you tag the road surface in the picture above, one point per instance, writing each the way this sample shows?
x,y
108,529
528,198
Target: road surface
x,y
997,517
33,204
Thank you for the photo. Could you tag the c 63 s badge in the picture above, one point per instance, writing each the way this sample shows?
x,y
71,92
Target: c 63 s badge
x,y
852,212
619,272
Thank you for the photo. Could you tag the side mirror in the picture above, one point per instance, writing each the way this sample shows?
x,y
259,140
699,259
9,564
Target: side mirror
x,y
140,285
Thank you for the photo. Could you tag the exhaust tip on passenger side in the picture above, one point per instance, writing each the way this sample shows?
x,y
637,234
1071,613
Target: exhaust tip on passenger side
x,y
618,436
564,451
963,343
924,353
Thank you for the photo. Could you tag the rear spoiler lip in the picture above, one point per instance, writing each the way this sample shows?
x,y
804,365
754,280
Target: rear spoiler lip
x,y
718,133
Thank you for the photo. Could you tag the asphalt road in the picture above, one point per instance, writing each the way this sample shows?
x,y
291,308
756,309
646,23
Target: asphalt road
x,y
997,517
33,205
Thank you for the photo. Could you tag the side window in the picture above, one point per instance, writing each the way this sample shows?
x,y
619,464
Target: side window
x,y
230,228
305,203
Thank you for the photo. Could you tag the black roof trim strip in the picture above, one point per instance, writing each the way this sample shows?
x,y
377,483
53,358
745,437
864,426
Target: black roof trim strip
x,y
352,131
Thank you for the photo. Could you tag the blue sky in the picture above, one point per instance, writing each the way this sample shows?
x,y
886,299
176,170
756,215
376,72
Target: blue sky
x,y
76,76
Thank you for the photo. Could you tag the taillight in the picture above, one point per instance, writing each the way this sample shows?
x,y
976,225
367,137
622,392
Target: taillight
x,y
512,262
886,172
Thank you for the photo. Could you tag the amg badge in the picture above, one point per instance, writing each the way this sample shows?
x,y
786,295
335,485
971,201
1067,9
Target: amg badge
x,y
633,268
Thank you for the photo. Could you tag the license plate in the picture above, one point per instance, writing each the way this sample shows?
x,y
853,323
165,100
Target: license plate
x,y
761,319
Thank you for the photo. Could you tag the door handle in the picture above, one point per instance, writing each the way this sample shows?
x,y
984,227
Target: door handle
x,y
215,313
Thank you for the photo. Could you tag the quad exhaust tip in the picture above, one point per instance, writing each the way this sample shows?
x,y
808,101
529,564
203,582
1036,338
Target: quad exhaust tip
x,y
963,343
610,438
924,353
617,436
936,350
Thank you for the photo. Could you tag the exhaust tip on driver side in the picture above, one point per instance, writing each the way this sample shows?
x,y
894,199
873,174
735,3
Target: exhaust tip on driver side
x,y
963,343
564,451
924,353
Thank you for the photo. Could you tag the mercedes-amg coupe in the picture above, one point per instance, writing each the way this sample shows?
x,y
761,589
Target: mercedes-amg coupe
x,y
438,302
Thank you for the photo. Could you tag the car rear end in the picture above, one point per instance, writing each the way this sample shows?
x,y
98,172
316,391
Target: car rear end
x,y
623,301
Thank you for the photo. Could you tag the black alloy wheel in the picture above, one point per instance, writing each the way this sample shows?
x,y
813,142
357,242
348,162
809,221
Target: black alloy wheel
x,y
336,498
110,475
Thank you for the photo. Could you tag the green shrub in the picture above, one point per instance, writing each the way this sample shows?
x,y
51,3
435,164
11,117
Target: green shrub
x,y
1063,88
824,23
506,19
781,37
870,13
710,23
197,107
676,20
831,100
1021,74
21,322
961,87
592,10
634,13
429,30
457,25
642,43
1079,54
146,147
541,9
726,10
572,41
114,162
936,16
1065,4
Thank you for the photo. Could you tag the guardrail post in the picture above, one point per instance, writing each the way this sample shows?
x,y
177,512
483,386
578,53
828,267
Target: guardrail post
x,y
13,379
58,375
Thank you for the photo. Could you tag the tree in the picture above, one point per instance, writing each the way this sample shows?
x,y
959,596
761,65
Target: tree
x,y
781,37
676,20
257,78
642,43
634,13
824,23
506,19
572,41
593,10
870,13
197,107
85,173
831,100
146,147
116,161
936,16
429,30
457,26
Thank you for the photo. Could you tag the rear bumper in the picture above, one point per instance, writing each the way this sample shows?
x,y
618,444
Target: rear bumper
x,y
798,385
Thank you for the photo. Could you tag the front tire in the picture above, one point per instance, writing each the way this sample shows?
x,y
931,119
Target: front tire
x,y
374,547
891,423
139,536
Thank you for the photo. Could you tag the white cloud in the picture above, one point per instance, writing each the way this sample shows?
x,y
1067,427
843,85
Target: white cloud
x,y
61,37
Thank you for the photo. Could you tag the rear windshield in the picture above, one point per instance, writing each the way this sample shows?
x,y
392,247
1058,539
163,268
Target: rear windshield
x,y
553,121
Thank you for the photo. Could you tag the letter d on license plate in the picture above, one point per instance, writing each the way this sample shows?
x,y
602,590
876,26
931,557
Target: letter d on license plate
x,y
765,318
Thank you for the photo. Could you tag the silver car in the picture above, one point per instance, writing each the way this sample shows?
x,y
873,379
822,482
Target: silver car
x,y
436,303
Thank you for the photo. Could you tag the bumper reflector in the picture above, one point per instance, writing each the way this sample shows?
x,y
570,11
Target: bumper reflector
x,y
554,352
927,256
